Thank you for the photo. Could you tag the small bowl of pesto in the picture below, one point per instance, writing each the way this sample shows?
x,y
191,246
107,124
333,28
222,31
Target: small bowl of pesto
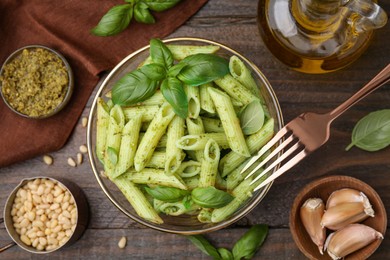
x,y
36,82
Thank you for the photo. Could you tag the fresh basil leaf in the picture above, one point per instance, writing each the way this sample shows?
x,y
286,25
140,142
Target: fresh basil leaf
x,y
252,117
200,242
154,71
112,155
173,91
114,21
160,5
142,13
167,194
160,53
372,132
175,69
132,88
203,68
210,197
225,254
249,243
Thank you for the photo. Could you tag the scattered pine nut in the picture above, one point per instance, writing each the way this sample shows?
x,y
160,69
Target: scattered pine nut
x,y
83,148
84,121
71,162
103,174
79,158
47,159
122,242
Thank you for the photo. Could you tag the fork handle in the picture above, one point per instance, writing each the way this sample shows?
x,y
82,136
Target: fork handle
x,y
380,79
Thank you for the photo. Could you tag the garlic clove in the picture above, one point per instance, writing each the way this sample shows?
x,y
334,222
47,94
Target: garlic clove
x,y
311,214
344,214
345,195
350,239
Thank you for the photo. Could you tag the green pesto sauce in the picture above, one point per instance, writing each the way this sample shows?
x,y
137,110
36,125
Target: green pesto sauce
x,y
35,82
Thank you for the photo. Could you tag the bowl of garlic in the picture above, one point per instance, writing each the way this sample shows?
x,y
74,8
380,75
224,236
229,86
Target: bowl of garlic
x,y
338,217
43,214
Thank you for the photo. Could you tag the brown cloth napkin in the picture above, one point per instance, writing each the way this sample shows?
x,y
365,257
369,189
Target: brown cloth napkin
x,y
65,26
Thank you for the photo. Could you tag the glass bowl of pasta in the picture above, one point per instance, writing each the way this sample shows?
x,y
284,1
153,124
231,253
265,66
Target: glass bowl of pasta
x,y
170,129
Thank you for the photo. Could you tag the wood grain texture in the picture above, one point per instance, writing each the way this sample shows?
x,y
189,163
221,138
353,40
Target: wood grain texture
x,y
233,22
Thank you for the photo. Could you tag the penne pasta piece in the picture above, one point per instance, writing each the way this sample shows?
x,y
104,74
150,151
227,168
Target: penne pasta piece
x,y
209,168
206,103
103,117
230,122
162,143
114,138
173,208
198,142
137,199
204,215
232,160
179,52
235,89
128,146
194,127
156,100
241,73
193,101
173,153
191,182
220,183
152,136
148,112
189,169
157,160
155,177
212,125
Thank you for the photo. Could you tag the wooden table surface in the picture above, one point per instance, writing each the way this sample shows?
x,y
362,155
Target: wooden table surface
x,y
233,22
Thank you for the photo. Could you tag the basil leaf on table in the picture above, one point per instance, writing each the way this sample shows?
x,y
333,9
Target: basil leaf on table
x,y
225,254
132,88
142,13
248,244
210,197
114,21
252,117
173,91
200,242
372,132
167,194
160,5
160,53
112,155
202,68
154,71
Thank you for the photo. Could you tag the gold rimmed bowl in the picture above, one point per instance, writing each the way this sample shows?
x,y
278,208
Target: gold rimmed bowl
x,y
184,224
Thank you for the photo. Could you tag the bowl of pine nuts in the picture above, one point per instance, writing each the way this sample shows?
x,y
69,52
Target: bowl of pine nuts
x,y
43,214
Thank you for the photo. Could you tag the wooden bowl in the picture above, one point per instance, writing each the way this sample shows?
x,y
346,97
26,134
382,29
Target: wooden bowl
x,y
322,188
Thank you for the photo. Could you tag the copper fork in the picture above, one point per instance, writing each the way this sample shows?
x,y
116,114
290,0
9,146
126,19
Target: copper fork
x,y
305,134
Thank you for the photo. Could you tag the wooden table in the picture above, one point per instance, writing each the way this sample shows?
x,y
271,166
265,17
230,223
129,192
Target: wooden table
x,y
233,22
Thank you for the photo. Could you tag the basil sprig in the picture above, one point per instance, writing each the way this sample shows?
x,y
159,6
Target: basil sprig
x,y
244,248
119,17
372,132
143,82
210,197
167,194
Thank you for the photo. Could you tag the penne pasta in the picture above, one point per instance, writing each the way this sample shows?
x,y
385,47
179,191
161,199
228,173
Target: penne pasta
x,y
209,168
230,122
103,117
128,145
235,89
189,169
206,103
155,177
193,101
194,127
212,125
148,112
241,73
198,142
232,160
204,215
152,136
173,153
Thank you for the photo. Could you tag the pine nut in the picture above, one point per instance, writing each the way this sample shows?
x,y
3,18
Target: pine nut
x,y
83,148
25,240
71,162
84,121
122,242
48,159
79,158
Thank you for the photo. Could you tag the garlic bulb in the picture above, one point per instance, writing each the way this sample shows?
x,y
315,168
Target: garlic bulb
x,y
350,239
344,214
311,214
346,195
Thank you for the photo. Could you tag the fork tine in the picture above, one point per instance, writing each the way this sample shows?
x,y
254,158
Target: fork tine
x,y
271,155
297,158
277,161
265,148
